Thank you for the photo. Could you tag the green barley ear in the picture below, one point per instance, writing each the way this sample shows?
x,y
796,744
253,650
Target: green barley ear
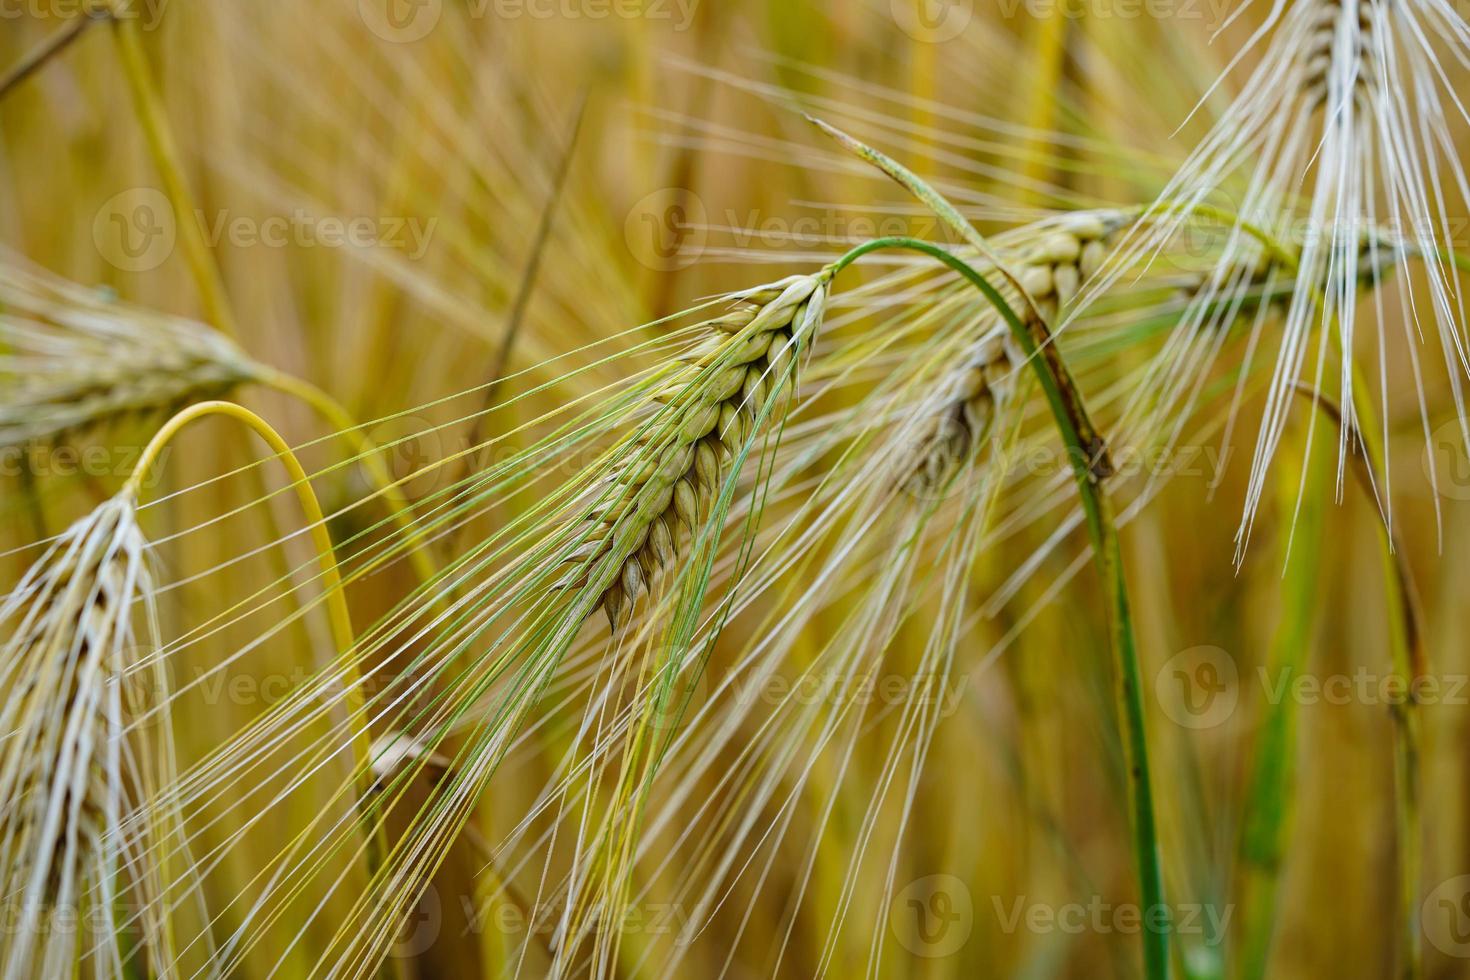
x,y
72,775
71,360
666,484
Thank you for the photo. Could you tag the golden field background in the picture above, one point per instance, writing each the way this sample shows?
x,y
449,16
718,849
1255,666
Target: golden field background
x,y
438,135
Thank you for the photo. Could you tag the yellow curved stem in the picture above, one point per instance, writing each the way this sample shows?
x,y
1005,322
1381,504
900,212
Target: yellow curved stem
x,y
366,452
336,601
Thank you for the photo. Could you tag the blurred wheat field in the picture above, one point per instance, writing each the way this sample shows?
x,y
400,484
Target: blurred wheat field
x,y
491,489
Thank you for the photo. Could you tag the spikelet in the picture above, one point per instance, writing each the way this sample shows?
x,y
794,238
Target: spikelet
x,y
71,360
975,394
666,482
1053,270
1055,267
68,852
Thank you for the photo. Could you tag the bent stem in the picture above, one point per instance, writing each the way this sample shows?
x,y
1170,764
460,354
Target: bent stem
x,y
1088,456
336,600
366,453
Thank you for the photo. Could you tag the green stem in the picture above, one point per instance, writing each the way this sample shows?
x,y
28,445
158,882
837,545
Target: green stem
x,y
1269,804
1088,457
1407,654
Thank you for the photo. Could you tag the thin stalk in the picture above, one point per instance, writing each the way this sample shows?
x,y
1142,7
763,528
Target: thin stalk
x,y
1085,450
527,287
1061,390
1049,56
1407,654
1409,664
1269,803
366,452
334,597
37,58
161,146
